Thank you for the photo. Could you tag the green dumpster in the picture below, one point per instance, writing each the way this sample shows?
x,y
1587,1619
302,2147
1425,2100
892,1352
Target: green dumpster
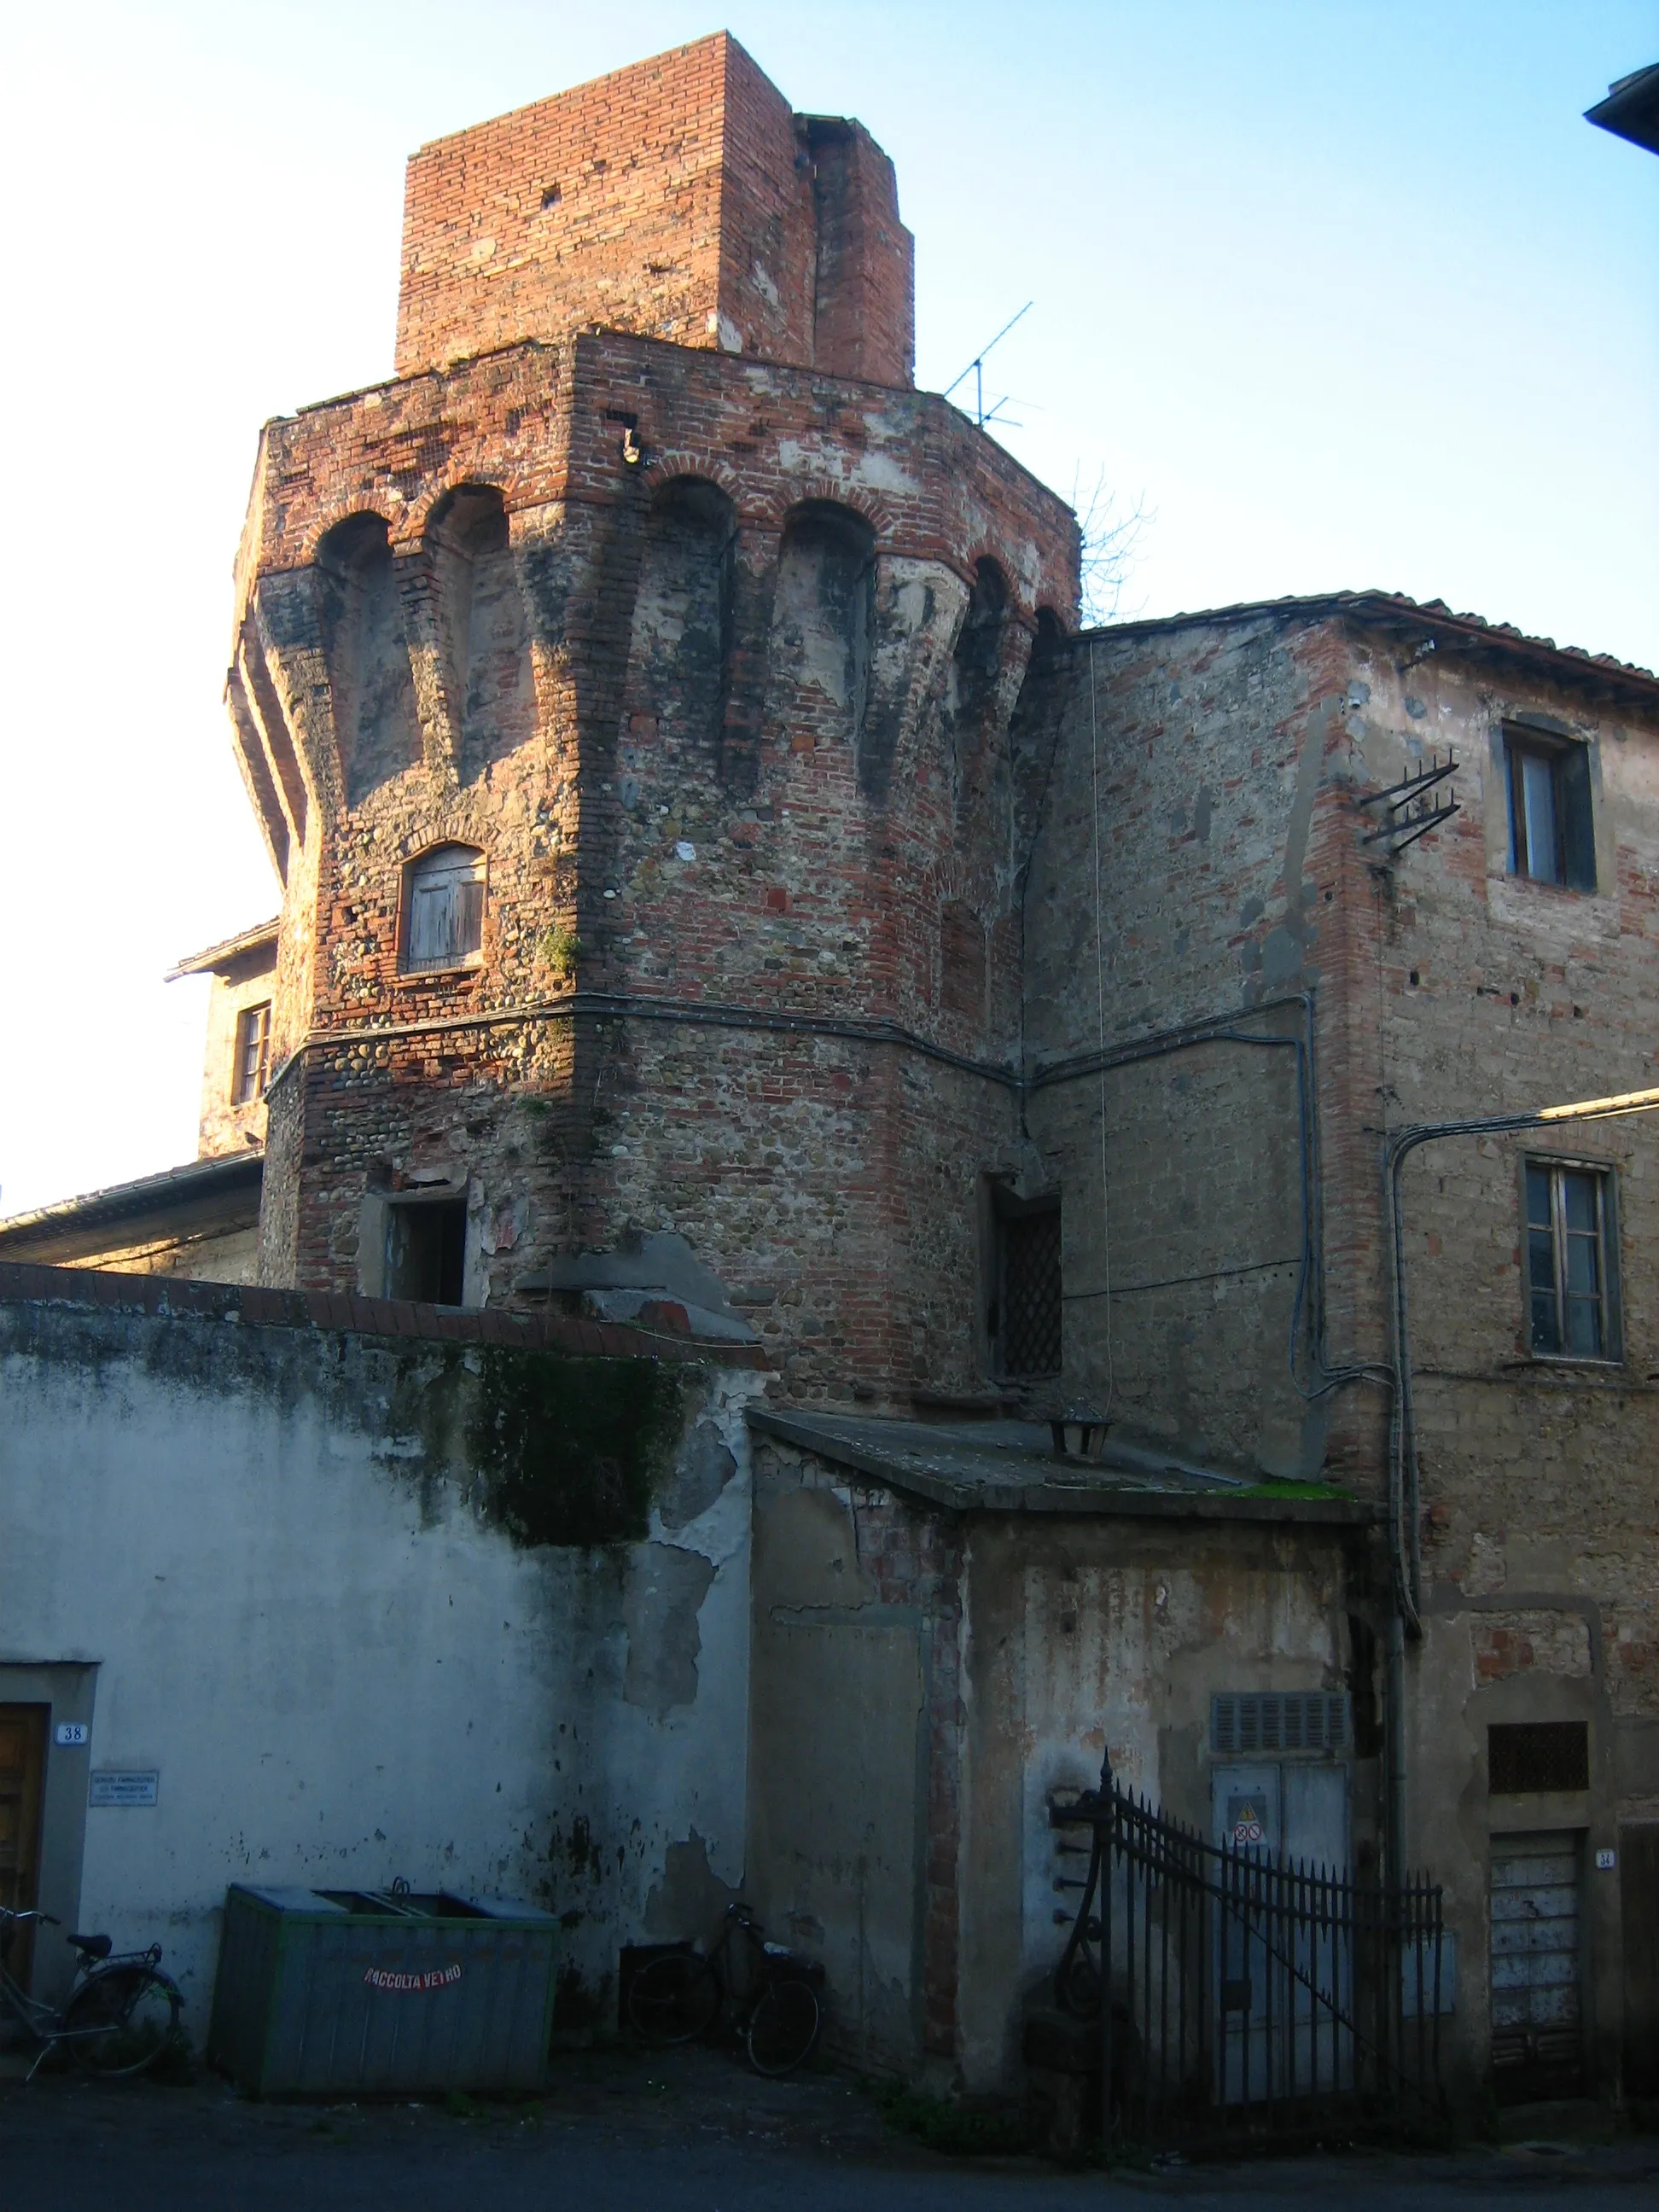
x,y
367,1992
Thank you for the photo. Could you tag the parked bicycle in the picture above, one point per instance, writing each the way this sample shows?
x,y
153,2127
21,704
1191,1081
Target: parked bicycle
x,y
122,2014
681,1995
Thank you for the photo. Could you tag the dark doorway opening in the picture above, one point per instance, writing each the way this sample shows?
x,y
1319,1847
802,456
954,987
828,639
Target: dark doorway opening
x,y
1638,1897
22,1773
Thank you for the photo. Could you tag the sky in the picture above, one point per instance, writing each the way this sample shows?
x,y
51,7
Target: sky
x,y
1337,293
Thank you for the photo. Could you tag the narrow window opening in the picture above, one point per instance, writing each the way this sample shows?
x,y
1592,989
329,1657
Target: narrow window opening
x,y
426,1251
1570,1276
1023,1321
253,1062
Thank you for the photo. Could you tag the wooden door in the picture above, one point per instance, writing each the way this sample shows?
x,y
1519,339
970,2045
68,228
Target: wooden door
x,y
22,1767
1537,2034
1638,1898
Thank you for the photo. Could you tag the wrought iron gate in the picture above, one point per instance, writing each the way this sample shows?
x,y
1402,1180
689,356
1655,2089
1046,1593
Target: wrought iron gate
x,y
1246,1989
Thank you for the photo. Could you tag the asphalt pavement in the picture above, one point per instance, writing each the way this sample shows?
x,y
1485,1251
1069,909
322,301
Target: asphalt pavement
x,y
694,2132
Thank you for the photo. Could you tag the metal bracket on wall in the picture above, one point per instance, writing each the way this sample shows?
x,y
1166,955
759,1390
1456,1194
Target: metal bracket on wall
x,y
1410,813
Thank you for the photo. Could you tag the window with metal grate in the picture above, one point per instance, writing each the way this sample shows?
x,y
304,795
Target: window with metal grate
x,y
1247,1723
1031,1300
1525,1755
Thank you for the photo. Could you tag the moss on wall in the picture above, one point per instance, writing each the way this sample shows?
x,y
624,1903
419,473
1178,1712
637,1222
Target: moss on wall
x,y
571,1451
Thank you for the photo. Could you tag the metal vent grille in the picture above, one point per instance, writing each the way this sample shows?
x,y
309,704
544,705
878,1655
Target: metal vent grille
x,y
1250,1722
1031,1293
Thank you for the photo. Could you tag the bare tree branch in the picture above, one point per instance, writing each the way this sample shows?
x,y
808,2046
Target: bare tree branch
x,y
1111,539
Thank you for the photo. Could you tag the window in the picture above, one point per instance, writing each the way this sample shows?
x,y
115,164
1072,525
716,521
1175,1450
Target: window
x,y
1571,1277
1551,837
1526,1755
252,1063
1025,1317
443,908
426,1250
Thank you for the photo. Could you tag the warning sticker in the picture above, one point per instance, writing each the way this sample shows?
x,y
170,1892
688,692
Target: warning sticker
x,y
1244,1821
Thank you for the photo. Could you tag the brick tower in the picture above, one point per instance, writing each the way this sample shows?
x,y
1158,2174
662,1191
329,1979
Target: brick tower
x,y
629,691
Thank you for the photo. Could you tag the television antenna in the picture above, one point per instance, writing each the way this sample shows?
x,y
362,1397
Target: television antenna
x,y
975,368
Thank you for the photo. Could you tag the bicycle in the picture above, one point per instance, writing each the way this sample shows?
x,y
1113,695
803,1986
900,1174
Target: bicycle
x,y
122,2014
681,1995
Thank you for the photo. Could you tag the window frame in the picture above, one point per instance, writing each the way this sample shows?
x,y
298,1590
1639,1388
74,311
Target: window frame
x,y
242,1093
1572,808
1603,1175
462,963
1008,1210
399,1208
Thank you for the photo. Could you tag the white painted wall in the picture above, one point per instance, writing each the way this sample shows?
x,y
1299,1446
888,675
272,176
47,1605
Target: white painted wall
x,y
340,1671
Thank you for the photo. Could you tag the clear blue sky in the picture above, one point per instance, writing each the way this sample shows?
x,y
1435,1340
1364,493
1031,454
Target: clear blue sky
x,y
1344,291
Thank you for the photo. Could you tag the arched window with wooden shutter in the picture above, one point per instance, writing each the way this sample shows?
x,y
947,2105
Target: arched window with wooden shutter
x,y
443,909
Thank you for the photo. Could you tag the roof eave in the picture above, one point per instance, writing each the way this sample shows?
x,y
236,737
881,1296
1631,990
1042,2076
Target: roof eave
x,y
215,957
1630,110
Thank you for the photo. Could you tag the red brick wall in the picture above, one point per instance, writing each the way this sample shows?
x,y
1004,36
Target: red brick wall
x,y
863,304
677,199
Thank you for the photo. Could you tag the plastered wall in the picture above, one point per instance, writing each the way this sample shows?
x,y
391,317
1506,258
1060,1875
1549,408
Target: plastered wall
x,y
307,1604
1105,1635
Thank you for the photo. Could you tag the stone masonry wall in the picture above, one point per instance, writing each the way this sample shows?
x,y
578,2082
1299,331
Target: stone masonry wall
x,y
1222,898
1236,755
730,729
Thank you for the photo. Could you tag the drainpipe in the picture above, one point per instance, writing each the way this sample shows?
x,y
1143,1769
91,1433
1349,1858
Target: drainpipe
x,y
1405,1485
1393,1716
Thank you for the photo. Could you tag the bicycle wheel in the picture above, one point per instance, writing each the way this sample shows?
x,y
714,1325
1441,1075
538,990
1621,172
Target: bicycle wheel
x,y
784,2027
674,1998
121,2021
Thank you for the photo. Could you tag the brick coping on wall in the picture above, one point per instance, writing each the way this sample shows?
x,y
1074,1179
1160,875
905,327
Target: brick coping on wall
x,y
400,1318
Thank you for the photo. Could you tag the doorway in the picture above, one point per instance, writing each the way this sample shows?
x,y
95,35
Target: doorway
x,y
22,1772
1537,2034
1638,1900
